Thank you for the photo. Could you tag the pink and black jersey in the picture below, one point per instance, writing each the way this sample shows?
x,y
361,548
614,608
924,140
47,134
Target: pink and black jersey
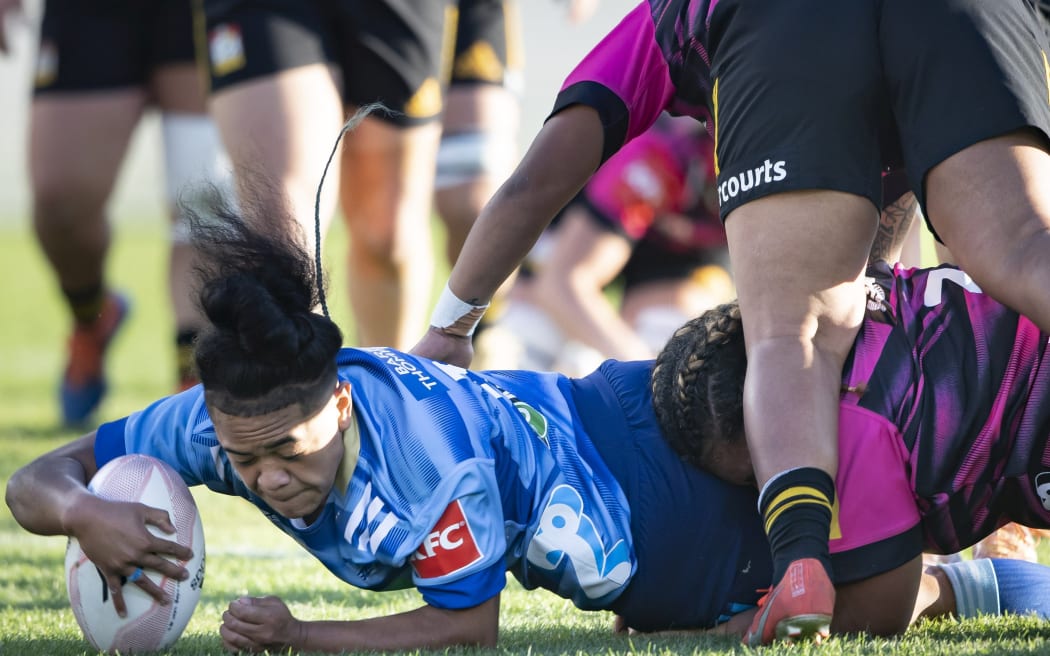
x,y
944,419
656,59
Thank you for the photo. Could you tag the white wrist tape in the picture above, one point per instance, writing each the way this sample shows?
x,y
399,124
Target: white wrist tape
x,y
456,316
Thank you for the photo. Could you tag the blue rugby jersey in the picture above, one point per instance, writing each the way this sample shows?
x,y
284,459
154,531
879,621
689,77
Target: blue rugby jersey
x,y
461,476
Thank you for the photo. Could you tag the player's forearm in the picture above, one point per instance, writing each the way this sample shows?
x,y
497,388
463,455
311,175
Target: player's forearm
x,y
895,224
423,628
562,158
45,493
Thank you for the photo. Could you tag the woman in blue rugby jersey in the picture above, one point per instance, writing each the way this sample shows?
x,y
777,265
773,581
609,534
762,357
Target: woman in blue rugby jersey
x,y
395,470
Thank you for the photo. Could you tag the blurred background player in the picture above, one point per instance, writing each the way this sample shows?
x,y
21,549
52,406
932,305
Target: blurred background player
x,y
284,75
648,219
482,113
100,65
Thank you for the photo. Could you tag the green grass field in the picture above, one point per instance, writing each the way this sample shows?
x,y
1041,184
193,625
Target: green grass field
x,y
245,554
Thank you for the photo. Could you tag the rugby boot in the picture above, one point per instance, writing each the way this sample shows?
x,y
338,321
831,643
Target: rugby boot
x,y
798,609
84,381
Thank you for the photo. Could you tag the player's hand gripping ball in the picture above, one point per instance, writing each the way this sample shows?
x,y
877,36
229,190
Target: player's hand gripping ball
x,y
149,625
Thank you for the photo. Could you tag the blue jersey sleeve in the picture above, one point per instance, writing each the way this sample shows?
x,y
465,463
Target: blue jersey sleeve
x,y
176,430
460,561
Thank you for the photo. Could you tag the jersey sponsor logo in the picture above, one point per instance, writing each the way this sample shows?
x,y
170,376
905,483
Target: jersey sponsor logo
x,y
226,49
566,533
536,421
743,182
876,295
449,548
418,382
1042,488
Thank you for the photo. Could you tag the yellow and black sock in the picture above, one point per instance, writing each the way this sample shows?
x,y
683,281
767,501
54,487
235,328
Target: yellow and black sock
x,y
796,506
85,303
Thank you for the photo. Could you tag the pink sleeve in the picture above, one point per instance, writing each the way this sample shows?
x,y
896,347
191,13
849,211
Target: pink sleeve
x,y
625,78
874,494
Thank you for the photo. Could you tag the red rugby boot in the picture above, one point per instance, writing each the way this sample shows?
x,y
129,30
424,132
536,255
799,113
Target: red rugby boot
x,y
798,609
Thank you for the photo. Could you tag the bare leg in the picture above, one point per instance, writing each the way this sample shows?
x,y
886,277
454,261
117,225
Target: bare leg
x,y
990,203
270,132
76,145
801,304
798,260
193,155
386,189
997,225
491,112
888,603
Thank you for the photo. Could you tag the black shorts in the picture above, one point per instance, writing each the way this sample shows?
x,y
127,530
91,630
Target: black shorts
x,y
828,94
389,51
110,44
650,263
488,44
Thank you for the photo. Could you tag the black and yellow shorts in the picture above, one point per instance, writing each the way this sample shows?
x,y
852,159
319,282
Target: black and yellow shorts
x,y
388,51
829,94
488,46
110,44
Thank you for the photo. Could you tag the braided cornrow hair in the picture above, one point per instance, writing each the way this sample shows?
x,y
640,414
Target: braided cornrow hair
x,y
698,384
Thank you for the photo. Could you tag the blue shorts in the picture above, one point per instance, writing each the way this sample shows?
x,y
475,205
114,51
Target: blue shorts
x,y
702,553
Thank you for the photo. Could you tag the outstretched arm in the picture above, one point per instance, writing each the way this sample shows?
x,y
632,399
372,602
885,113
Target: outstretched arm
x,y
264,623
49,496
562,158
44,496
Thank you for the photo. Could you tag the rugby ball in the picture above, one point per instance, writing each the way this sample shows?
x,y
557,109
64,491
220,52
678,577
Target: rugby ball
x,y
148,625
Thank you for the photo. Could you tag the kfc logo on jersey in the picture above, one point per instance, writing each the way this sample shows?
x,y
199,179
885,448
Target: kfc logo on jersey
x,y
448,548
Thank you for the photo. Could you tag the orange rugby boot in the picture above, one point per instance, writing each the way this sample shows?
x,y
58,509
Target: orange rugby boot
x,y
798,609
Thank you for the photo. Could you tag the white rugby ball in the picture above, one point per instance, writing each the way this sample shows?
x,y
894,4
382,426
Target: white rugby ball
x,y
148,625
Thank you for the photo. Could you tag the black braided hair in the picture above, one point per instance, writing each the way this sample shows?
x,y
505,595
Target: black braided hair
x,y
264,348
698,384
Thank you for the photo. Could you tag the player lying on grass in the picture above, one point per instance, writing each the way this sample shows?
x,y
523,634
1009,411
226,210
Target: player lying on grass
x,y
396,471
944,414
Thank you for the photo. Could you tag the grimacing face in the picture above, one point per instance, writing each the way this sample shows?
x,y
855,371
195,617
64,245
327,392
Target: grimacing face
x,y
287,458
